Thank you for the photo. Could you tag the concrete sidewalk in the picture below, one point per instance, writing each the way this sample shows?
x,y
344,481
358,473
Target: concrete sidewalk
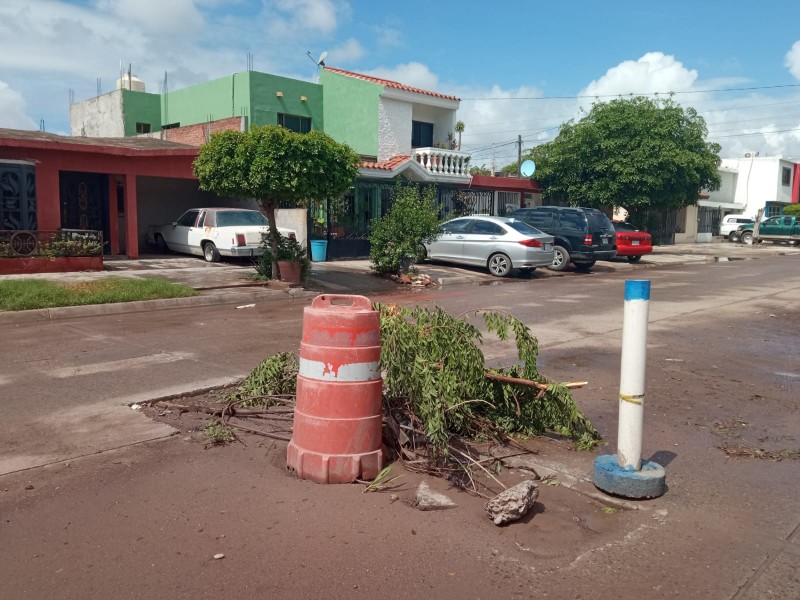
x,y
228,283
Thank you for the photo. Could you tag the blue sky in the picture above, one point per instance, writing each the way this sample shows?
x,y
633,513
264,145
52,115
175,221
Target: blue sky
x,y
543,55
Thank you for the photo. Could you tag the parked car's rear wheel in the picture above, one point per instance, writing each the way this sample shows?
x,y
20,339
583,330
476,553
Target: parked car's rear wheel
x,y
210,252
634,259
499,265
561,258
747,237
422,253
161,245
585,266
732,236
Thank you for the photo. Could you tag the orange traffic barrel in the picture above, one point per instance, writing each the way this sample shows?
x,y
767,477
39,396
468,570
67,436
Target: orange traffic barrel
x,y
337,419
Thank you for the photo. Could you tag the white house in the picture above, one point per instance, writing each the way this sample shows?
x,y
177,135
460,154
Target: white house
x,y
748,184
763,182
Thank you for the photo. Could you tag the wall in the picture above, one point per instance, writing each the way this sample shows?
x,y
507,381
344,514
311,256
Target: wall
x,y
209,101
686,219
725,196
266,104
351,111
98,117
394,128
443,120
140,107
294,218
196,135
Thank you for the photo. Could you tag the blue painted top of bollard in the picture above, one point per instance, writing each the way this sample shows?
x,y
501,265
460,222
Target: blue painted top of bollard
x,y
637,289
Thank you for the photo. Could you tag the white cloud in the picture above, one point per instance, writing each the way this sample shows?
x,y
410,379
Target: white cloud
x,y
413,74
314,15
793,60
12,109
175,17
653,72
349,52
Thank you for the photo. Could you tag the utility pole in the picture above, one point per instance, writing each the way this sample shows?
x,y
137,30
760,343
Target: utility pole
x,y
519,153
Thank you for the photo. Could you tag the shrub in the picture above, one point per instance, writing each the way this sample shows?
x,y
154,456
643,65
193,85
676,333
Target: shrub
x,y
396,239
289,249
792,210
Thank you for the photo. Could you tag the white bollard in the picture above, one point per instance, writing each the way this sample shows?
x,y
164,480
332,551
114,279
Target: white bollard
x,y
632,374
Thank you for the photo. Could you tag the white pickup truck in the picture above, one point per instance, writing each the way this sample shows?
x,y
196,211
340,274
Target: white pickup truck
x,y
214,232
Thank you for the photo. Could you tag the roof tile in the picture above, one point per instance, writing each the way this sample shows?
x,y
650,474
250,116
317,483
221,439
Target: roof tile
x,y
391,84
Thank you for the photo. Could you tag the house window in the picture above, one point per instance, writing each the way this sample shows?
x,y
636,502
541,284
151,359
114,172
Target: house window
x,y
773,209
295,123
421,134
142,127
171,126
786,176
508,201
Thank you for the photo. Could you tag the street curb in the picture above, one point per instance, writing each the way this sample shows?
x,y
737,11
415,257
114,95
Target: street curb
x,y
92,310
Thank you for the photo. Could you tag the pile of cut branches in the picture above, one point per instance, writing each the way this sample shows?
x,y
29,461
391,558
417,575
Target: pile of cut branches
x,y
436,382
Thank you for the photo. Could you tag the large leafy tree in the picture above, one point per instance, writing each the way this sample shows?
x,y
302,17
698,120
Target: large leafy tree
x,y
634,153
275,165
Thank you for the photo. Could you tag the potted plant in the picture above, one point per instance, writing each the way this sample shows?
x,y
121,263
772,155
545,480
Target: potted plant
x,y
292,260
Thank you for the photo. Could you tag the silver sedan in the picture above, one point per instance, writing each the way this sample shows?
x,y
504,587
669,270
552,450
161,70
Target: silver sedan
x,y
496,243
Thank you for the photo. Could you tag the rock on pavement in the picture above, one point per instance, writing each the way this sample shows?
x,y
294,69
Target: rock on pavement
x,y
427,499
512,504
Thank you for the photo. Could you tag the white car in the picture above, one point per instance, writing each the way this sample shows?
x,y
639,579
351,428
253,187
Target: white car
x,y
495,243
730,223
214,232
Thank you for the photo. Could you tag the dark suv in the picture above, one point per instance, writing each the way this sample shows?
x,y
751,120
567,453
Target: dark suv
x,y
582,235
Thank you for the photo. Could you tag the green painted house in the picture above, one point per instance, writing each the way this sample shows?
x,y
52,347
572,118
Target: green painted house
x,y
257,98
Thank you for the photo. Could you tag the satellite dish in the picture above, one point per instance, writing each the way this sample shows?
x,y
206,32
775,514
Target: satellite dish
x,y
528,168
321,59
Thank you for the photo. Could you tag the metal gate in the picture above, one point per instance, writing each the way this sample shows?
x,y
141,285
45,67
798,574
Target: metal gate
x,y
660,224
17,196
708,219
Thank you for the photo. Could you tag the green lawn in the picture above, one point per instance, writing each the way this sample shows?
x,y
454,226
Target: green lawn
x,y
26,294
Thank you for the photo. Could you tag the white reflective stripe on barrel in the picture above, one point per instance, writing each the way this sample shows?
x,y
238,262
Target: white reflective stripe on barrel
x,y
314,369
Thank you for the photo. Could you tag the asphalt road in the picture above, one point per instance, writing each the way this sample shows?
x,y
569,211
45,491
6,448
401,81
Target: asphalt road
x,y
65,383
723,371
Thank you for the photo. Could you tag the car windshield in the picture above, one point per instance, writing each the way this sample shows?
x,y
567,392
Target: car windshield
x,y
624,227
524,228
241,218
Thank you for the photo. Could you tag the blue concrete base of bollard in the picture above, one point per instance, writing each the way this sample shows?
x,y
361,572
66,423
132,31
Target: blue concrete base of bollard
x,y
649,482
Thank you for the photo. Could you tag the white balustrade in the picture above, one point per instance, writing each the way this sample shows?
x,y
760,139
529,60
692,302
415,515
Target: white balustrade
x,y
445,163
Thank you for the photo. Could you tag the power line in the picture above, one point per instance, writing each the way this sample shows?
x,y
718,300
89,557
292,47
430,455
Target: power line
x,y
597,96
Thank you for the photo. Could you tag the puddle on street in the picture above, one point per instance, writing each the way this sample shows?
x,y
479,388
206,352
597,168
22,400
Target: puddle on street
x,y
725,259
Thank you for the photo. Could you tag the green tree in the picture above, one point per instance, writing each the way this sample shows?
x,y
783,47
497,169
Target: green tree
x,y
396,238
459,130
792,210
272,165
482,170
634,153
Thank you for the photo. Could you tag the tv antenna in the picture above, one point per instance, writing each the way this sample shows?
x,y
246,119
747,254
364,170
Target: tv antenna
x,y
320,62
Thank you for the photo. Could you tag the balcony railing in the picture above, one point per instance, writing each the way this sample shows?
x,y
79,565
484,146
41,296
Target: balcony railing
x,y
52,244
443,163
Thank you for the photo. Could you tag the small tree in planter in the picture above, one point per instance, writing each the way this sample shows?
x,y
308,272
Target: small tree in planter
x,y
396,239
290,253
274,165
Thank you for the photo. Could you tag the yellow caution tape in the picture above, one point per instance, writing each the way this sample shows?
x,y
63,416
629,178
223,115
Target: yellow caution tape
x,y
633,399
